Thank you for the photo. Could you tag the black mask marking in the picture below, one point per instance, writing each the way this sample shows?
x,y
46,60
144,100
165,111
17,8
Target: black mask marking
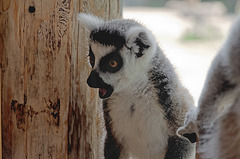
x,y
95,81
141,46
107,37
106,62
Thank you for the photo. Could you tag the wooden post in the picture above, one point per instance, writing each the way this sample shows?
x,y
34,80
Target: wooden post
x,y
48,111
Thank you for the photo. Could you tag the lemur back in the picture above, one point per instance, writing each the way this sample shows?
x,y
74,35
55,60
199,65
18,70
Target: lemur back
x,y
144,103
216,122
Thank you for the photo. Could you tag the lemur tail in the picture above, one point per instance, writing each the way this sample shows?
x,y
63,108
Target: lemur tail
x,y
231,51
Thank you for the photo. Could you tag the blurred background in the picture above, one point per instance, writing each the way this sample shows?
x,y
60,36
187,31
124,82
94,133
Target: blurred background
x,y
190,32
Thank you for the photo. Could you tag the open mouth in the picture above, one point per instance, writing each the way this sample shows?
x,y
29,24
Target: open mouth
x,y
105,92
94,81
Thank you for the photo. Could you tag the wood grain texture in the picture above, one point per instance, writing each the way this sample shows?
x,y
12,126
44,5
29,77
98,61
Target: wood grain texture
x,y
1,53
48,111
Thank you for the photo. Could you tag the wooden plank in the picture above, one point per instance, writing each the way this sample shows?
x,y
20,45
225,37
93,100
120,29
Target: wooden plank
x,y
48,111
1,53
80,116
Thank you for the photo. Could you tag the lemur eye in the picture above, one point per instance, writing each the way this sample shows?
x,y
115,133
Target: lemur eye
x,y
113,63
91,57
91,61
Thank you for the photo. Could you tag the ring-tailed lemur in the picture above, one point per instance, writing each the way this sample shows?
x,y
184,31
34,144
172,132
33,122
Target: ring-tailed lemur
x,y
144,103
216,122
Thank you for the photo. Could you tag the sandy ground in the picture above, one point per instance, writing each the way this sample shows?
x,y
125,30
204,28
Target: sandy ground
x,y
191,59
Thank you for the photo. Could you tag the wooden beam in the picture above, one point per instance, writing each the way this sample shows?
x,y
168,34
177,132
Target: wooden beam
x,y
48,111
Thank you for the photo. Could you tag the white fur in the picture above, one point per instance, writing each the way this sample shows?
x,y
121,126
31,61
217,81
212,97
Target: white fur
x,y
133,68
89,21
133,33
138,120
100,51
144,133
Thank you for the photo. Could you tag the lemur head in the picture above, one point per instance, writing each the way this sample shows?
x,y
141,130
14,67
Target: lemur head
x,y
119,53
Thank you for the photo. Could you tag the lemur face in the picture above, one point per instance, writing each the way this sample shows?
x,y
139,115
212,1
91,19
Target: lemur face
x,y
107,66
119,51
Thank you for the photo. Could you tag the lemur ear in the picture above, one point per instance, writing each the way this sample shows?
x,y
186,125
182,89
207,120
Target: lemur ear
x,y
139,40
89,21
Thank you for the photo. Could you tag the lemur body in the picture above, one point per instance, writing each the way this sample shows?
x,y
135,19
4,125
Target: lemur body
x,y
143,101
140,122
216,121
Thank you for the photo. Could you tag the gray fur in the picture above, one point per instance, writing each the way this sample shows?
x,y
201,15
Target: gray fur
x,y
216,121
148,102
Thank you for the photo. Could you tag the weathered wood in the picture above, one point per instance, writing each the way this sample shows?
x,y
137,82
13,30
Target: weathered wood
x,y
48,111
1,52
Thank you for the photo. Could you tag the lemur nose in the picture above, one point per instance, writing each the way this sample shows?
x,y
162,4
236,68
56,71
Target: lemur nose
x,y
94,80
